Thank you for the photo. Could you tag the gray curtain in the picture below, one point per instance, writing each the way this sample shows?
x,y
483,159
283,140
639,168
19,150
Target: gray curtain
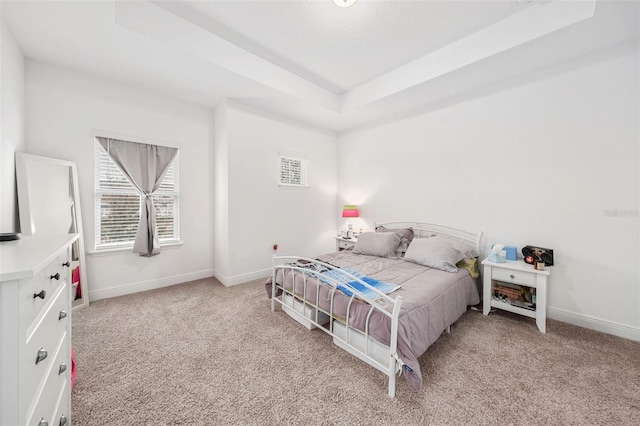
x,y
144,166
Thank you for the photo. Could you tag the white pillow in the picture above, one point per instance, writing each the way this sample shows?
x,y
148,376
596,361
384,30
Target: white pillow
x,y
381,244
438,252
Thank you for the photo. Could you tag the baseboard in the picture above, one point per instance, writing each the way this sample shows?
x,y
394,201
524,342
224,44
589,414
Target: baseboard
x,y
148,285
593,323
243,278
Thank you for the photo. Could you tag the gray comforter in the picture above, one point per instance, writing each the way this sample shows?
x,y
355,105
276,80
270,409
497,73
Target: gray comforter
x,y
432,301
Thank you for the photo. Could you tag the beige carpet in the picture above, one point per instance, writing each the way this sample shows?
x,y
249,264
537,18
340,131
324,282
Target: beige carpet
x,y
200,353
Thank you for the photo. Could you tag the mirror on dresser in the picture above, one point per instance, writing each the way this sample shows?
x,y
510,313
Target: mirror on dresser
x,y
49,204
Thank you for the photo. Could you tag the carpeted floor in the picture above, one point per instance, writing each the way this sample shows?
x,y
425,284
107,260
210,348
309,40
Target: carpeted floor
x,y
199,353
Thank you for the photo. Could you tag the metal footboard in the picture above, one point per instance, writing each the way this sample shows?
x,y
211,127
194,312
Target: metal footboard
x,y
308,273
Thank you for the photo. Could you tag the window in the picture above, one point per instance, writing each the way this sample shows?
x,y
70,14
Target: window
x,y
117,205
293,171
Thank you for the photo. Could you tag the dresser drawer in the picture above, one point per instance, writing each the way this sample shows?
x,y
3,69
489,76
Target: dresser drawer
x,y
56,272
50,335
53,401
57,266
63,411
514,277
41,284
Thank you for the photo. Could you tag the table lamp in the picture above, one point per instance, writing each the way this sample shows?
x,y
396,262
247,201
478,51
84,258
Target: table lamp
x,y
350,211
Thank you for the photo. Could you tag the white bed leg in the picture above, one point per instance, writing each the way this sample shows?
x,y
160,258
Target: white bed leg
x,y
449,329
273,284
393,346
392,377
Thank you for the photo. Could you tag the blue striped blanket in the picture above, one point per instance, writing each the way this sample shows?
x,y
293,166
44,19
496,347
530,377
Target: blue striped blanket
x,y
347,286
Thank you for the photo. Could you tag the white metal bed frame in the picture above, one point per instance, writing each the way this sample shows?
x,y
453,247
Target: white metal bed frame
x,y
318,315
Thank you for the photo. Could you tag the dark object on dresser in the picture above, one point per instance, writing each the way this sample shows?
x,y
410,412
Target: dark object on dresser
x,y
9,236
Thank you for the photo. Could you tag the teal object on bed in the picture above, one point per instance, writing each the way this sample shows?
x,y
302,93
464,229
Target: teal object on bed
x,y
347,287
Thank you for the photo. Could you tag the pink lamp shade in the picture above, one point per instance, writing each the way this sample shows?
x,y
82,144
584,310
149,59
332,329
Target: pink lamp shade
x,y
350,211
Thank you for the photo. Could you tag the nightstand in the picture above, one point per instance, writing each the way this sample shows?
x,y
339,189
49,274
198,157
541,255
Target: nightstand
x,y
516,274
344,243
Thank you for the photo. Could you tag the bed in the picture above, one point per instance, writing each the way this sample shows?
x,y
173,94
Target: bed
x,y
387,300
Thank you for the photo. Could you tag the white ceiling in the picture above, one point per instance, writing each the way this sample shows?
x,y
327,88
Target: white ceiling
x,y
341,48
336,68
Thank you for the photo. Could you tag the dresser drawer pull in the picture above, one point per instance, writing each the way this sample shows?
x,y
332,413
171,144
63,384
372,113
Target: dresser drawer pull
x,y
67,264
512,276
63,420
63,314
56,276
43,422
41,295
42,355
62,369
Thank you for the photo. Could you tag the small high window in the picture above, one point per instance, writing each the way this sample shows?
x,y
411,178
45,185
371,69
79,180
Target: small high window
x,y
293,171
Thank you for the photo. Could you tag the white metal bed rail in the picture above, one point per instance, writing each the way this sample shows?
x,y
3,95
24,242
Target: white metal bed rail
x,y
291,264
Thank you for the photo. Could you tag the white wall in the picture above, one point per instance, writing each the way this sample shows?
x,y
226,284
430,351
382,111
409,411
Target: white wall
x,y
546,162
63,109
260,213
231,206
12,127
221,193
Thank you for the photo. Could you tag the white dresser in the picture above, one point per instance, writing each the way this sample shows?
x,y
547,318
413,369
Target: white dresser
x,y
35,331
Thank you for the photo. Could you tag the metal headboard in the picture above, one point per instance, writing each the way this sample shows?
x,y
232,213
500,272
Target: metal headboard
x,y
423,229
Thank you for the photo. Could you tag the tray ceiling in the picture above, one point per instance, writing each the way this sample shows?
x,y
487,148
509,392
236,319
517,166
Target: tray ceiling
x,y
335,68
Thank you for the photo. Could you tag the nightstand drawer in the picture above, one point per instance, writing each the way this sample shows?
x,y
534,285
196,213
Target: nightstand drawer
x,y
514,277
344,244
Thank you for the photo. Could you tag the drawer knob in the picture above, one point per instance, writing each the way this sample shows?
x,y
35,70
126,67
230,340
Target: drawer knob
x,y
62,369
67,264
512,276
41,295
63,314
56,276
63,420
42,355
43,422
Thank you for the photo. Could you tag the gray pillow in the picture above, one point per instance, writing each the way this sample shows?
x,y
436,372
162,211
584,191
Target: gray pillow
x,y
381,244
406,235
404,232
438,252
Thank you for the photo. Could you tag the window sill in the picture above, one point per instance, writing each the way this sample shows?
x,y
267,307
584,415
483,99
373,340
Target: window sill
x,y
129,250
